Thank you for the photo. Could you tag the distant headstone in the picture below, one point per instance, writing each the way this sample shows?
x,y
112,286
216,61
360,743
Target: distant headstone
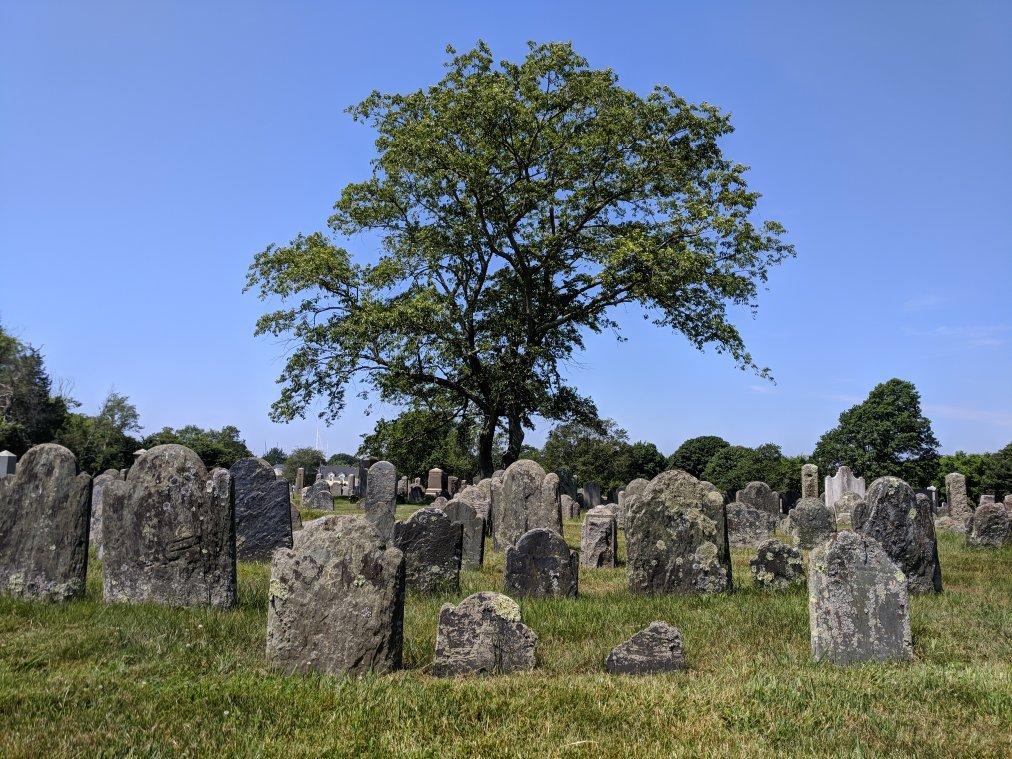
x,y
435,484
777,566
570,508
416,493
858,605
599,538
362,480
656,648
592,493
300,479
483,635
473,547
840,483
319,497
168,532
846,506
748,526
336,601
97,488
514,499
402,487
8,463
296,517
263,510
452,485
541,565
432,546
380,498
480,497
809,481
546,511
44,526
758,495
812,522
989,527
986,499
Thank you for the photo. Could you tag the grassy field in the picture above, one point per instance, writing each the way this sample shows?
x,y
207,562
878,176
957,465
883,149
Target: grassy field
x,y
89,679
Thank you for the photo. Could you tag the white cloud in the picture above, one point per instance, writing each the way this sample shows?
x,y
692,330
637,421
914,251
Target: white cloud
x,y
999,418
923,303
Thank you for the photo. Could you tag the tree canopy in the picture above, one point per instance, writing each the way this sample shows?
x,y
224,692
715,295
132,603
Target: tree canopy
x,y
420,439
694,454
275,456
309,459
732,467
30,413
215,447
104,441
516,204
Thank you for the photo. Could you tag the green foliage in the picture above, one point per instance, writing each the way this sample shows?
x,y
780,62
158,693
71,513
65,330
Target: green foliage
x,y
309,459
694,454
886,434
103,441
733,467
342,459
29,411
418,440
275,456
985,472
215,447
516,205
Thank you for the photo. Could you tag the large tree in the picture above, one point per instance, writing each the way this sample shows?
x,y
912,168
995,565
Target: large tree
x,y
420,439
516,205
216,448
30,412
105,440
695,453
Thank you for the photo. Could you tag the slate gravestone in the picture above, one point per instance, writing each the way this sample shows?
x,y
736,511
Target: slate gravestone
x,y
592,494
97,488
300,479
812,522
656,648
380,500
169,533
759,496
989,527
336,601
8,463
44,526
747,526
541,565
263,510
809,481
432,546
514,499
318,497
906,531
676,537
473,530
416,493
361,485
599,538
858,606
777,566
483,635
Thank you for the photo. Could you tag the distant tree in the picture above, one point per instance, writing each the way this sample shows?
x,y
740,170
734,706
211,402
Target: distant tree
x,y
275,456
215,447
640,459
309,459
103,441
985,472
695,453
600,454
342,459
886,434
30,412
733,467
998,474
420,439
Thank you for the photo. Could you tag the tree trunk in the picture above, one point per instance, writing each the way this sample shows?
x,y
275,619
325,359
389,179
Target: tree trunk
x,y
486,438
515,440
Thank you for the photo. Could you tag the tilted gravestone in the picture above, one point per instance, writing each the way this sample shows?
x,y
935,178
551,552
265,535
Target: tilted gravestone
x,y
599,538
473,546
380,500
263,510
777,566
906,531
432,546
656,648
676,537
336,601
570,507
858,605
812,522
541,565
97,488
989,527
483,635
44,526
760,496
748,526
809,481
169,533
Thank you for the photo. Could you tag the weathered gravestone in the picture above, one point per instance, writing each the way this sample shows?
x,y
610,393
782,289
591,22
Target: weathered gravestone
x,y
906,531
336,600
473,542
570,506
599,538
777,566
656,648
380,499
676,537
840,483
846,506
435,484
97,489
168,532
748,526
483,635
812,522
44,526
479,496
402,487
592,495
300,479
541,565
631,490
362,479
8,463
263,510
760,496
989,526
522,502
431,543
809,481
296,517
319,497
416,493
858,606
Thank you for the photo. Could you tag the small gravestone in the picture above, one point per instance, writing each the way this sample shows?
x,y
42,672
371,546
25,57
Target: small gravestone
x,y
546,512
479,496
759,496
989,526
847,505
748,526
656,648
541,565
473,545
319,497
483,635
97,489
844,480
858,605
809,481
362,478
300,479
591,494
296,517
514,499
570,508
432,545
777,566
168,532
812,522
380,499
44,526
336,601
8,463
416,493
263,510
435,483
599,538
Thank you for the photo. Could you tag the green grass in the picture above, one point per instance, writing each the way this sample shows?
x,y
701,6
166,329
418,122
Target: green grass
x,y
89,679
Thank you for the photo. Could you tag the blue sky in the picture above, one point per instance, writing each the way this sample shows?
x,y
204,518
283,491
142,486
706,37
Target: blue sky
x,y
148,150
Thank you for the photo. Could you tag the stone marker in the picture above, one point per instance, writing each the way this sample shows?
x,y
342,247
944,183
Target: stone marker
x,y
483,635
168,532
858,606
541,565
1008,500
431,543
44,526
777,566
435,484
473,546
416,493
760,496
570,507
840,483
336,601
846,506
319,497
514,499
809,481
599,538
676,537
362,478
380,499
656,648
812,522
633,489
479,496
300,479
906,531
296,517
592,494
546,511
989,526
8,463
263,510
97,488
747,526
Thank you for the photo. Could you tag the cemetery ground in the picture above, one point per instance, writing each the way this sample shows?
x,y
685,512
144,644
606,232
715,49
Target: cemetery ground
x,y
86,678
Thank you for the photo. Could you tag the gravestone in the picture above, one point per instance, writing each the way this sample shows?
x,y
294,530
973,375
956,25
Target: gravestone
x,y
336,601
846,506
452,486
319,497
402,487
168,532
986,499
263,510
989,526
362,479
599,538
541,565
435,484
812,522
631,490
841,482
906,531
1008,500
416,493
758,495
858,606
479,496
495,488
431,543
592,494
748,526
300,479
777,566
546,511
809,481
514,499
380,499
97,488
656,648
483,635
570,508
473,541
296,517
676,537
8,463
44,526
